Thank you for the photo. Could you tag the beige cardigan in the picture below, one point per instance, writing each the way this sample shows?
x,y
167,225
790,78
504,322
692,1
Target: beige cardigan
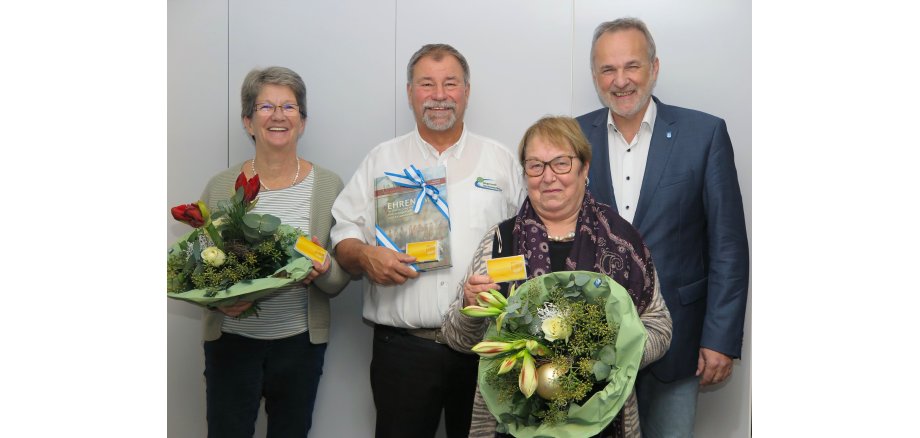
x,y
326,187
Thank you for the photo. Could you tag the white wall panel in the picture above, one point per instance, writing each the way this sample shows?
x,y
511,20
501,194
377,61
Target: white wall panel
x,y
343,50
196,149
519,53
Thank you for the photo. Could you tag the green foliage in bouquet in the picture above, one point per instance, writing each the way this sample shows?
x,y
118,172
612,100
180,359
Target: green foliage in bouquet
x,y
232,251
189,269
576,339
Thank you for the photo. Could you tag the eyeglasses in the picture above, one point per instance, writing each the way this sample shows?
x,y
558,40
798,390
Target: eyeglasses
x,y
288,109
561,165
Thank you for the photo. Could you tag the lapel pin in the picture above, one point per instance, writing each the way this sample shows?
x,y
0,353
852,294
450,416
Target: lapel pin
x,y
668,134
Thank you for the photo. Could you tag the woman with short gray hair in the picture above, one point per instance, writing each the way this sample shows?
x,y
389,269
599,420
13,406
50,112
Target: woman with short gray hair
x,y
277,354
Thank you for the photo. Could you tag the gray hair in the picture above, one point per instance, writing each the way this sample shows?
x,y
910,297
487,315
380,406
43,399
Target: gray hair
x,y
624,24
437,52
256,79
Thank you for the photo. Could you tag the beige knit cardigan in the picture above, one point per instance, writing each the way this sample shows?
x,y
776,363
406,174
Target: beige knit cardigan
x,y
326,186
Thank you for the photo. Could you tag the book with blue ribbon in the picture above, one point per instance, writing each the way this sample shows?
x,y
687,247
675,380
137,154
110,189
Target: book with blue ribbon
x,y
412,208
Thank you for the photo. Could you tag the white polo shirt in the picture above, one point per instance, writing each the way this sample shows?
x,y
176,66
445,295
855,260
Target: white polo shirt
x,y
474,207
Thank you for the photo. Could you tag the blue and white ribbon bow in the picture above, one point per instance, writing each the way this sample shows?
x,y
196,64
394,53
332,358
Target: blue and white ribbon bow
x,y
414,179
384,240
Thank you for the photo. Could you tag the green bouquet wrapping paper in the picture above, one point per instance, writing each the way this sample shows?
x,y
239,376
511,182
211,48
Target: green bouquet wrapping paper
x,y
515,416
295,270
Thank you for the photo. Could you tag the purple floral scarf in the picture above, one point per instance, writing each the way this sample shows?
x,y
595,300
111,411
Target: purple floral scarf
x,y
604,242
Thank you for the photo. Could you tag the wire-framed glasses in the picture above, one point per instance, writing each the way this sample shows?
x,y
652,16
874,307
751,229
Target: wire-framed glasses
x,y
268,109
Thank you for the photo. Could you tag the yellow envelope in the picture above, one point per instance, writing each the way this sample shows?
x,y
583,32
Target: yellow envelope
x,y
506,268
427,251
311,250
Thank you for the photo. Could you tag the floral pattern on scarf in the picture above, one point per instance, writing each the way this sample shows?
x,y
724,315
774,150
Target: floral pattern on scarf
x,y
604,242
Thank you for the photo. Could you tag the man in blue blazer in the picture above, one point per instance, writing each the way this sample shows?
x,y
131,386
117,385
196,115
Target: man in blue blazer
x,y
670,171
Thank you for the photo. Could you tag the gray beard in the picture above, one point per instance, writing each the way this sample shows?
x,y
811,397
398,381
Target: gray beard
x,y
434,126
603,97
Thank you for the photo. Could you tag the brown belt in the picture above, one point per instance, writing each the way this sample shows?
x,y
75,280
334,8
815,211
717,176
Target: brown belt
x,y
428,333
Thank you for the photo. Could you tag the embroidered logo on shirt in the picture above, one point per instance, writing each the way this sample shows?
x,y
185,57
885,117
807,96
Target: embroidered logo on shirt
x,y
487,183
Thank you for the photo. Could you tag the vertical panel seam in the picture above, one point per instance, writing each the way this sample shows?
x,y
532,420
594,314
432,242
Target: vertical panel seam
x,y
227,118
395,64
572,64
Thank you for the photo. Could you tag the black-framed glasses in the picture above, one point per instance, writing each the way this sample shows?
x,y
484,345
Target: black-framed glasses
x,y
561,165
288,109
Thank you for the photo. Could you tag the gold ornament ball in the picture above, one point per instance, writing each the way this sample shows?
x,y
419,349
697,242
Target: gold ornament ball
x,y
548,381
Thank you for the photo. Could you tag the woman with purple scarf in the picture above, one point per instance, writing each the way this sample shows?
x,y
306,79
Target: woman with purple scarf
x,y
560,227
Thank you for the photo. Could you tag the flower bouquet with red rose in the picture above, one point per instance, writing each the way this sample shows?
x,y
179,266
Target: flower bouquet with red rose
x,y
232,254
561,355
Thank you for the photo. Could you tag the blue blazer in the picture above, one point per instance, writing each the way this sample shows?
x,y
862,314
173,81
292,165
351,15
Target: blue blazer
x,y
691,218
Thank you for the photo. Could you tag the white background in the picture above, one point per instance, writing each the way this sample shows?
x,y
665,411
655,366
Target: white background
x,y
527,58
85,146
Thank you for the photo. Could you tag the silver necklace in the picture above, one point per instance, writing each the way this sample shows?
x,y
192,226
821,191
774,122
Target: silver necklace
x,y
566,238
253,165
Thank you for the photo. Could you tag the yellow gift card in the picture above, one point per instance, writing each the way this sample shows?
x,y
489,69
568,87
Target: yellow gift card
x,y
309,249
428,251
506,268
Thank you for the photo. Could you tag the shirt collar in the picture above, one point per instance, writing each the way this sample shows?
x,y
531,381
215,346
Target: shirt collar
x,y
455,151
648,120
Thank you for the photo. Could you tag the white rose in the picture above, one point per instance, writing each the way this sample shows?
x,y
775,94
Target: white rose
x,y
555,328
213,256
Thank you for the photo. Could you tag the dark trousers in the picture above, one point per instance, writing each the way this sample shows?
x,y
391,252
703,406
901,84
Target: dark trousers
x,y
239,371
414,379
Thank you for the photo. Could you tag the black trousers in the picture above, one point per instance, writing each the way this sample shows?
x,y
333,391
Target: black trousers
x,y
414,379
240,371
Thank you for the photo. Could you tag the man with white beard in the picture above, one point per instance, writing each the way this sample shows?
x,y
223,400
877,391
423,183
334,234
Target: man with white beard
x,y
414,375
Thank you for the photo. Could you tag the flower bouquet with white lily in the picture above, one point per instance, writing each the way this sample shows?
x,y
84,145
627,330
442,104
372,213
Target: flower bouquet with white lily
x,y
233,254
576,341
